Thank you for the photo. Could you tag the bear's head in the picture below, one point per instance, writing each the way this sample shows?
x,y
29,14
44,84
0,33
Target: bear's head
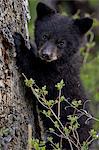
x,y
56,36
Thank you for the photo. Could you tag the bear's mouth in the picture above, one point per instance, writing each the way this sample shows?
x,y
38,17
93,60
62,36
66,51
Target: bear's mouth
x,y
48,59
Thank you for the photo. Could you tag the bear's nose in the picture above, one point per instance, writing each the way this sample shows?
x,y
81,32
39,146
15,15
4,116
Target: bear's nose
x,y
45,56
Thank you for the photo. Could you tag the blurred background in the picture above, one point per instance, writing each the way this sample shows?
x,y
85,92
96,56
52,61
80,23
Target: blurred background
x,y
90,68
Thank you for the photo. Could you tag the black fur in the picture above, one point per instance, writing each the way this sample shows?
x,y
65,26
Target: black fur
x,y
66,67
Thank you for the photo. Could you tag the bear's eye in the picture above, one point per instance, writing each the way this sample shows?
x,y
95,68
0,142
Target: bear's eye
x,y
61,43
45,37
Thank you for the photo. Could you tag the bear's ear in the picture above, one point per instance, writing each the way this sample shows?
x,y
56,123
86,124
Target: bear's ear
x,y
83,24
44,10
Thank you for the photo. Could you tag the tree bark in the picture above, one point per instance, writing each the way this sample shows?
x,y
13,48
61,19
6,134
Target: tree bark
x,y
15,110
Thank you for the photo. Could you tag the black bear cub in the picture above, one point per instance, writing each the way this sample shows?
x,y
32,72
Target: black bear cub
x,y
58,39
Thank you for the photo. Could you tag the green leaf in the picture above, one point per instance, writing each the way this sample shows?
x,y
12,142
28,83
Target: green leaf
x,y
56,124
94,135
51,129
84,146
29,83
45,113
50,103
67,131
60,85
95,22
62,98
49,113
76,103
44,90
72,119
50,139
57,145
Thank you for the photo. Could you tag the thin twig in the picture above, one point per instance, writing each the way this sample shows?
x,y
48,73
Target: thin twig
x,y
59,104
29,136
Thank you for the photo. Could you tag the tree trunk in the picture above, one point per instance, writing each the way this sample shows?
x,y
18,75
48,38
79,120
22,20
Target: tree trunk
x,y
15,110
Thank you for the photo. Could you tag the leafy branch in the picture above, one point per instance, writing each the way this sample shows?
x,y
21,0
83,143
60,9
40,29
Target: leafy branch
x,y
64,132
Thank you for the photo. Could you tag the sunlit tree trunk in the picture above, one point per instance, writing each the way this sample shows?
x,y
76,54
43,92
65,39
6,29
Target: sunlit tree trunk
x,y
15,110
